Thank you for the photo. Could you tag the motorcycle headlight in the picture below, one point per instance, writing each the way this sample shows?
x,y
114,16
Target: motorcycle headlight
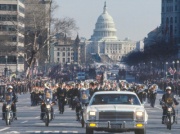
x,y
48,106
7,106
169,109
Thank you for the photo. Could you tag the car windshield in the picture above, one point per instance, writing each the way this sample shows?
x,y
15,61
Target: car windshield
x,y
126,99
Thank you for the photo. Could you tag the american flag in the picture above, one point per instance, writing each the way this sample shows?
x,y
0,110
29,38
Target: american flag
x,y
172,71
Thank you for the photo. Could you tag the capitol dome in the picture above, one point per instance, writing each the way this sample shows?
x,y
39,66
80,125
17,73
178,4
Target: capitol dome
x,y
105,27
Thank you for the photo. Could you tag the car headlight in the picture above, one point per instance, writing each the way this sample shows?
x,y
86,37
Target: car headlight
x,y
139,115
92,113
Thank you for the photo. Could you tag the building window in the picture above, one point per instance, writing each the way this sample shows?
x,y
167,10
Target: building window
x,y
68,59
68,53
58,59
175,20
57,53
64,54
8,7
64,60
58,49
175,30
175,7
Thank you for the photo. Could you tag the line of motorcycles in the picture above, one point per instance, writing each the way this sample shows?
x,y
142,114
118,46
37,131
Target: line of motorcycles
x,y
48,114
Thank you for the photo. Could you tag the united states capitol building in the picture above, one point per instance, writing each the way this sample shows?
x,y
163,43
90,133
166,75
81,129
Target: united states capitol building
x,y
105,44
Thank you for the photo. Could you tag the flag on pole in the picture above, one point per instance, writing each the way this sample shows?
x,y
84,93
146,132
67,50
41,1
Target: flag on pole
x,y
171,71
174,70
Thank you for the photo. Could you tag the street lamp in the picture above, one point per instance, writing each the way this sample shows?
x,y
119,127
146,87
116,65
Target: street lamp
x,y
166,68
173,68
144,65
151,66
46,66
6,66
177,69
16,66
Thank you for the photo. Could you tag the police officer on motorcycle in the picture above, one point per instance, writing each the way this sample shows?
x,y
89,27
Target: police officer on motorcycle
x,y
168,97
47,92
11,93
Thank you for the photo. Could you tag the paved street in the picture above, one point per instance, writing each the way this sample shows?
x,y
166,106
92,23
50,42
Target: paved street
x,y
28,121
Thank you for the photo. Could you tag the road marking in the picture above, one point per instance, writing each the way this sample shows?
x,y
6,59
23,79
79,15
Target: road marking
x,y
33,131
4,129
24,121
47,131
37,117
158,107
52,132
56,132
75,131
14,132
37,132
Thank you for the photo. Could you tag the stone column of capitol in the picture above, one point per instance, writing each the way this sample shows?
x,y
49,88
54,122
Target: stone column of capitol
x,y
104,41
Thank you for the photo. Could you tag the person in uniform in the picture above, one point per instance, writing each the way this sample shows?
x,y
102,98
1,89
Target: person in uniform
x,y
61,95
10,96
168,97
47,95
153,94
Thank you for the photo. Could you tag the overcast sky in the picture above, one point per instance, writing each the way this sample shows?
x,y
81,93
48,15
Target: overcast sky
x,y
133,18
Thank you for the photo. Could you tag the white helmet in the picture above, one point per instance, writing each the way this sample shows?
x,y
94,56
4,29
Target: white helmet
x,y
47,85
168,88
9,87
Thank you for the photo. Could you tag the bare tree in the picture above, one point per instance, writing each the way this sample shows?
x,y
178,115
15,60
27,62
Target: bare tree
x,y
38,22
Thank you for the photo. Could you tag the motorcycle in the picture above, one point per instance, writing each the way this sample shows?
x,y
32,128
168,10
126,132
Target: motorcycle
x,y
84,99
170,118
49,114
8,112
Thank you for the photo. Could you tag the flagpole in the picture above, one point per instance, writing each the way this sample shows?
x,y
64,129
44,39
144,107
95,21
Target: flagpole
x,y
177,69
173,69
166,69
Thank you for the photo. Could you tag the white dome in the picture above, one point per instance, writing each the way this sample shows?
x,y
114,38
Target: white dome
x,y
105,17
105,27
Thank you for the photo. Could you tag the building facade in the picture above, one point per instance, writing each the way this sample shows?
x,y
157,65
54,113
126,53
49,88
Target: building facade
x,y
104,41
64,50
170,20
11,36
